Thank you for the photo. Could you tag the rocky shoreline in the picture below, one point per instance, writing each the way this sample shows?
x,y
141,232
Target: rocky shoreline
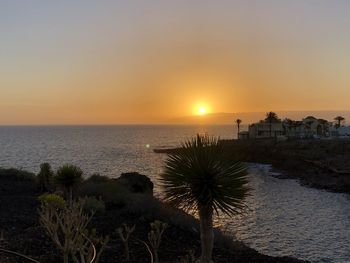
x,y
21,231
321,164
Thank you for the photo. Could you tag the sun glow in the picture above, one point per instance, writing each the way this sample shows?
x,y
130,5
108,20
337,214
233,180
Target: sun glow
x,y
202,110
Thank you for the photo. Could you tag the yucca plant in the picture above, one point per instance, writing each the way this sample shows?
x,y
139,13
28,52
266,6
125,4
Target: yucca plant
x,y
68,177
66,225
44,177
200,177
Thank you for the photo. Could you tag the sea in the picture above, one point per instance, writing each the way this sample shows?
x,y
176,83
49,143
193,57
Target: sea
x,y
283,218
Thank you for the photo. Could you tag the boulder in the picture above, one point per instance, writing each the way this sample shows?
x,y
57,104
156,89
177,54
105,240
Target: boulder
x,y
136,183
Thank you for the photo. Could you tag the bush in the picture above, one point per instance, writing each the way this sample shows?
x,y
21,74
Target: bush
x,y
91,204
111,192
136,183
52,200
97,178
151,208
17,175
143,204
122,191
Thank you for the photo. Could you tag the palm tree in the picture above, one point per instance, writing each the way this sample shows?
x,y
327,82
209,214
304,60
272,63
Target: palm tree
x,y
270,118
339,120
238,122
45,177
68,177
198,176
287,126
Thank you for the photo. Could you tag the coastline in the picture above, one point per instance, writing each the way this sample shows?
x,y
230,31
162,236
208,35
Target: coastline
x,y
320,164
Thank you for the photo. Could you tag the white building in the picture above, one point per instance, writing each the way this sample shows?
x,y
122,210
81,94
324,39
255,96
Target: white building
x,y
309,127
264,129
342,131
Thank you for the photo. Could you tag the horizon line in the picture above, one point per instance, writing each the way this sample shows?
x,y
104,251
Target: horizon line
x,y
165,122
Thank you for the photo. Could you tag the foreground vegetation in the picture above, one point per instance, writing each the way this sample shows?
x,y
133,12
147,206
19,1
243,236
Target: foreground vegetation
x,y
128,207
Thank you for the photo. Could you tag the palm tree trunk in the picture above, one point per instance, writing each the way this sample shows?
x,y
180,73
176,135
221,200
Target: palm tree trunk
x,y
207,234
237,131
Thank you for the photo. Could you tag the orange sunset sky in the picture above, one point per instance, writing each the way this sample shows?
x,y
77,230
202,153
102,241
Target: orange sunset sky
x,y
94,62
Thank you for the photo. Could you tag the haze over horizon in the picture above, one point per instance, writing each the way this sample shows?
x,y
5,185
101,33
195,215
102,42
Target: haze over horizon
x,y
225,118
109,62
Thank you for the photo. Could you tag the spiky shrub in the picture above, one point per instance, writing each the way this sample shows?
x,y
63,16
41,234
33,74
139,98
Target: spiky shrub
x,y
66,225
124,233
68,177
44,177
155,237
199,176
52,200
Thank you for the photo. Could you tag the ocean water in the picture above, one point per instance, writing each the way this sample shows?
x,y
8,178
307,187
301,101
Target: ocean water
x,y
107,150
286,219
283,219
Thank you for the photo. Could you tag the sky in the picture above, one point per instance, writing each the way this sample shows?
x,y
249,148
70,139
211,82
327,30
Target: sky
x,y
109,62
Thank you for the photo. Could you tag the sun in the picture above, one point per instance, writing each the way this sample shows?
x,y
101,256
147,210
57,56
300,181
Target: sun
x,y
202,110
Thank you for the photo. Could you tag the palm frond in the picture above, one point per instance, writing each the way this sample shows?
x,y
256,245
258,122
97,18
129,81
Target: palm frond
x,y
68,175
200,174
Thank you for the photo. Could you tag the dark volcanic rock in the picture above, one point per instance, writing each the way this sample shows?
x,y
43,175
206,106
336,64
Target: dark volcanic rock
x,y
136,183
320,164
